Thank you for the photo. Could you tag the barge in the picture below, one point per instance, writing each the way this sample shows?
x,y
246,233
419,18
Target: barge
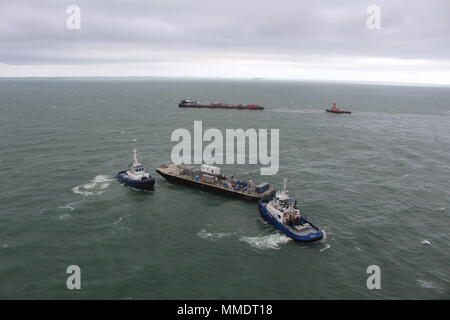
x,y
188,103
209,178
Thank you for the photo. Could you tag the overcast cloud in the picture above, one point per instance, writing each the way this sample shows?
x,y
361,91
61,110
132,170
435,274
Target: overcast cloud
x,y
260,38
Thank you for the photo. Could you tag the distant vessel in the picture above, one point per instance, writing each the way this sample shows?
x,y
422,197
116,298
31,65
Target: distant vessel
x,y
283,214
136,176
210,179
334,109
188,103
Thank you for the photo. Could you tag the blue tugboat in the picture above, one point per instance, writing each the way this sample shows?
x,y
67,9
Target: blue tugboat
x,y
136,177
283,214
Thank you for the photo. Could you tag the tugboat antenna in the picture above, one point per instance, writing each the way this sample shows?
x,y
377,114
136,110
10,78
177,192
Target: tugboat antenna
x,y
135,156
284,185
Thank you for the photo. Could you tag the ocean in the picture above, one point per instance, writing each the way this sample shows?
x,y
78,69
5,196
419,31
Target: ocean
x,y
376,182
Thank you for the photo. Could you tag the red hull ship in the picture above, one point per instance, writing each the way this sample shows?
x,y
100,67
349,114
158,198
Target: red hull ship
x,y
188,103
334,109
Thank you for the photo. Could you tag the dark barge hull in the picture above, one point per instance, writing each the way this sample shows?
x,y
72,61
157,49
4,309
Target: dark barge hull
x,y
211,188
338,112
199,106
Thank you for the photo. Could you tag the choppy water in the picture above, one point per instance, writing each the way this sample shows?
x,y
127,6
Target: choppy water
x,y
377,182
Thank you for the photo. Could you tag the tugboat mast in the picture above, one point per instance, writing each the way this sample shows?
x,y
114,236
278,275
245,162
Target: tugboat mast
x,y
135,159
283,195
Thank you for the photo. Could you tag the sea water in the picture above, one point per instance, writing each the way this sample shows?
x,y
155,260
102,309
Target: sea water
x,y
376,182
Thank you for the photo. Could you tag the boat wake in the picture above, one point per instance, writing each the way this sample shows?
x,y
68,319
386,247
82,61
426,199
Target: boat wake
x,y
64,216
212,236
295,110
425,284
430,285
95,187
271,241
68,206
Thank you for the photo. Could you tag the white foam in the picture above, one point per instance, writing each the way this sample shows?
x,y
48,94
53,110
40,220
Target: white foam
x,y
94,187
271,241
103,178
211,236
327,246
426,284
68,206
83,193
117,222
64,216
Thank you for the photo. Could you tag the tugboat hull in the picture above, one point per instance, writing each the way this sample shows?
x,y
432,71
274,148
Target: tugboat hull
x,y
318,235
332,111
144,184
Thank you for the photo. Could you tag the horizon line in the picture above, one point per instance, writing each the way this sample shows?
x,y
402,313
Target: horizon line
x,y
368,82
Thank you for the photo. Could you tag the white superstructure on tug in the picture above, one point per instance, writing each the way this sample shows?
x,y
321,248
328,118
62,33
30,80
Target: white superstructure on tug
x,y
282,208
283,213
136,169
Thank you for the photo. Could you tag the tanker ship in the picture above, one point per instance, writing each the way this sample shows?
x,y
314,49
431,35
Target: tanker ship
x,y
188,103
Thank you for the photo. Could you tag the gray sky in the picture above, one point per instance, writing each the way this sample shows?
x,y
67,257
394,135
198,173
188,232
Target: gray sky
x,y
207,38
